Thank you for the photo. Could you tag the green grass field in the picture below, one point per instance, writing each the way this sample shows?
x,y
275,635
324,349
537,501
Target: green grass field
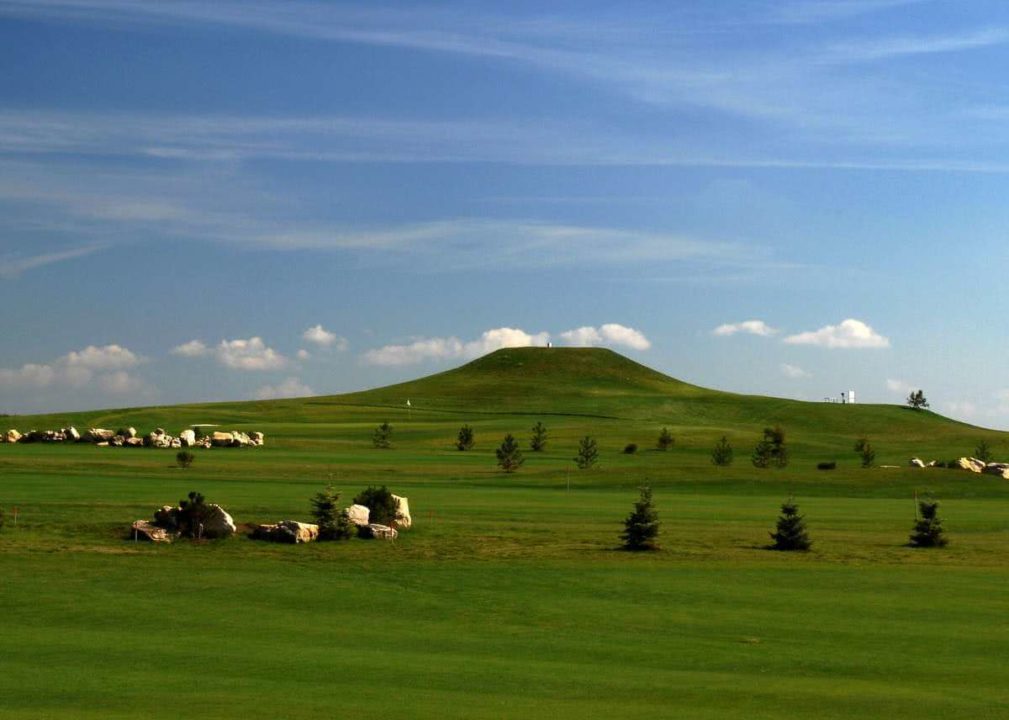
x,y
509,598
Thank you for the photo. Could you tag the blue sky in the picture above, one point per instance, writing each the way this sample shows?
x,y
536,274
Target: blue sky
x,y
233,200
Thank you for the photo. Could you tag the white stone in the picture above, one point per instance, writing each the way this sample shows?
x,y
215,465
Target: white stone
x,y
218,523
403,519
358,514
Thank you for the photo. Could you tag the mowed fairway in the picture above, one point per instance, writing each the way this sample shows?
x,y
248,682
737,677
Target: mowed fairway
x,y
509,598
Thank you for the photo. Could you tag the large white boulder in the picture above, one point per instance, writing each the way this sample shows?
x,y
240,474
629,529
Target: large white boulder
x,y
222,439
218,523
1000,469
97,435
358,514
240,439
12,436
71,434
144,530
287,531
917,462
257,438
187,438
403,519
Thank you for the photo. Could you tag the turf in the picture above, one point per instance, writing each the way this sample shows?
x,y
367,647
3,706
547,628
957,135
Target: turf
x,y
510,598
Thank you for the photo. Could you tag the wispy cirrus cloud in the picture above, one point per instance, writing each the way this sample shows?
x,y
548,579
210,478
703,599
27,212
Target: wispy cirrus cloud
x,y
13,264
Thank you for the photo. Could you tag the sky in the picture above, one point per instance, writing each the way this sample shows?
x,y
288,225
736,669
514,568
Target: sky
x,y
237,200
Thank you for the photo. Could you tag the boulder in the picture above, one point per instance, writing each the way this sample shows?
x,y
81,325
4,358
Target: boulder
x,y
218,523
97,435
403,519
358,514
175,444
222,439
133,442
287,531
379,532
917,462
240,439
70,434
970,464
144,530
12,436
1000,469
257,438
187,438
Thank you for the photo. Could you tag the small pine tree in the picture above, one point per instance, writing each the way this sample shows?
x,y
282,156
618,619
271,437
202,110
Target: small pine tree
x,y
382,437
983,452
184,458
333,523
538,441
928,530
465,440
722,454
916,400
509,457
665,440
588,453
191,514
864,448
771,450
642,526
791,530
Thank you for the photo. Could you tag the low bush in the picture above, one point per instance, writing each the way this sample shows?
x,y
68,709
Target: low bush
x,y
832,465
184,458
380,502
630,448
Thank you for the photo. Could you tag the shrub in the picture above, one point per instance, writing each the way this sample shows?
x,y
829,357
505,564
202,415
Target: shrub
x,y
464,441
382,437
333,523
642,526
184,458
928,530
865,449
380,502
832,465
665,440
538,441
588,453
983,452
509,457
771,450
916,400
722,454
191,515
791,529
630,448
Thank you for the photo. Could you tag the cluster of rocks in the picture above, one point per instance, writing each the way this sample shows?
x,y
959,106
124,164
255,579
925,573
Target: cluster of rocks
x,y
165,527
969,464
128,437
295,532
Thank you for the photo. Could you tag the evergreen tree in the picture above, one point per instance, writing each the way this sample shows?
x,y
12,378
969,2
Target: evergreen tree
x,y
642,526
928,530
771,450
382,437
983,452
538,441
333,523
865,449
465,439
509,457
791,530
588,453
382,506
722,454
191,515
665,439
916,400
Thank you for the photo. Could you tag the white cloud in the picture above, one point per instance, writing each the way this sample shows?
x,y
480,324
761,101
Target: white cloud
x,y
304,354
289,388
899,386
13,265
850,333
961,409
193,348
318,335
251,354
793,371
452,347
106,366
751,327
608,334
